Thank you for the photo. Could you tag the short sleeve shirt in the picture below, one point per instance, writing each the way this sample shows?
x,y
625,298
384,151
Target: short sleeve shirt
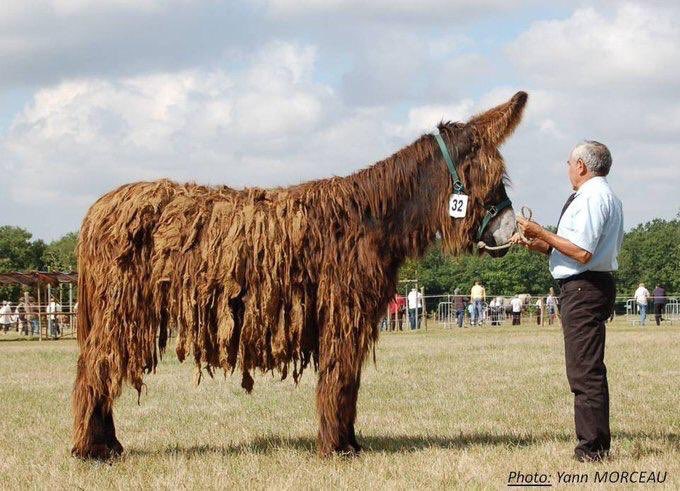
x,y
594,222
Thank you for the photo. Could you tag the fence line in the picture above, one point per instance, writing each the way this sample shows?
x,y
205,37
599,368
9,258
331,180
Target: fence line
x,y
40,321
497,311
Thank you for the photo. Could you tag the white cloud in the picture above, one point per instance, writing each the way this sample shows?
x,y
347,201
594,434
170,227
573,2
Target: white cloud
x,y
639,44
424,119
268,123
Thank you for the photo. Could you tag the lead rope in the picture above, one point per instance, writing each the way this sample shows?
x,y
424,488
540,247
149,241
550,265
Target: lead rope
x,y
527,214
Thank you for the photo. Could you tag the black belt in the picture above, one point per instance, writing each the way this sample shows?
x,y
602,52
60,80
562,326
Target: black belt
x,y
586,275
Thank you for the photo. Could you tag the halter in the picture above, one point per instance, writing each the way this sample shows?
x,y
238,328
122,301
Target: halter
x,y
458,188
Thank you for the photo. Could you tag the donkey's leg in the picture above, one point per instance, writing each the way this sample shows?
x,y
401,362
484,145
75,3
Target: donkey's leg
x,y
336,400
94,431
352,438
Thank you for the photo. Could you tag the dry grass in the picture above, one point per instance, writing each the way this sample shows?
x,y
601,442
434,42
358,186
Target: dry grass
x,y
442,409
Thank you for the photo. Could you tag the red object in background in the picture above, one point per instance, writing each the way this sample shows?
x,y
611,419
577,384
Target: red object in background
x,y
398,303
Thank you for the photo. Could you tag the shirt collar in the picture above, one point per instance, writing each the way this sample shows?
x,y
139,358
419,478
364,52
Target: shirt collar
x,y
591,183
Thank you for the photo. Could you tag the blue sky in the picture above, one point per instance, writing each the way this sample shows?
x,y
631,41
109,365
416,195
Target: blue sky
x,y
274,92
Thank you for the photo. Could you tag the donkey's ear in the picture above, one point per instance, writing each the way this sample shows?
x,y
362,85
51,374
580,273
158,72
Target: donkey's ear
x,y
496,124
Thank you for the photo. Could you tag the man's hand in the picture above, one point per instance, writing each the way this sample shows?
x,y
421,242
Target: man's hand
x,y
530,229
519,239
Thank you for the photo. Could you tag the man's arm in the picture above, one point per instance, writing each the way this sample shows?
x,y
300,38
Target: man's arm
x,y
544,239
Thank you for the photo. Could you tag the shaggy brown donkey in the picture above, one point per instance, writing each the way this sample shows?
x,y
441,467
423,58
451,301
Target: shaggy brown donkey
x,y
270,279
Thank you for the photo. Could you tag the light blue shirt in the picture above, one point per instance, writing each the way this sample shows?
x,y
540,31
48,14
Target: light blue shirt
x,y
594,222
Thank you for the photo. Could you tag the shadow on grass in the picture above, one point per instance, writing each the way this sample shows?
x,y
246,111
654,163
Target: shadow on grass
x,y
388,444
395,444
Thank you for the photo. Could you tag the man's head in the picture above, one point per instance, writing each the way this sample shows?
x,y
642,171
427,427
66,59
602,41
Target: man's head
x,y
588,159
642,285
477,283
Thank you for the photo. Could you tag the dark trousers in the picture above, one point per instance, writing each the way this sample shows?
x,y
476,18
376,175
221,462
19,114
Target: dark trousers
x,y
658,311
586,303
460,316
516,318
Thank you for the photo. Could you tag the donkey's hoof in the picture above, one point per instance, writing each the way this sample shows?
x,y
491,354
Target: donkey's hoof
x,y
98,451
348,450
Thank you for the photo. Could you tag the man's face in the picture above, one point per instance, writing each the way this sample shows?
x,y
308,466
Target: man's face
x,y
574,170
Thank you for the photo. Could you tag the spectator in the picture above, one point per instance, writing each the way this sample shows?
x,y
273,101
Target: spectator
x,y
32,316
641,296
659,303
516,310
477,298
5,316
494,311
20,314
53,308
459,304
415,306
471,311
539,311
396,310
551,305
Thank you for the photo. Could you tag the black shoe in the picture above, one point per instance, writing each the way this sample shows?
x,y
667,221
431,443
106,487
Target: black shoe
x,y
581,456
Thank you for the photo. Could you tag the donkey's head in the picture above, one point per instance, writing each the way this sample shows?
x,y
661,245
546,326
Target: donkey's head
x,y
474,151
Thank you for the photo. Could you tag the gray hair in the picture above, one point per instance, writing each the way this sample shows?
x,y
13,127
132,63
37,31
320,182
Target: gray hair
x,y
595,156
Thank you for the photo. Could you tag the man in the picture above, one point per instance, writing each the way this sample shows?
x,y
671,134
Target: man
x,y
477,298
659,303
516,303
583,253
32,316
459,304
539,312
53,308
641,297
5,316
415,307
551,303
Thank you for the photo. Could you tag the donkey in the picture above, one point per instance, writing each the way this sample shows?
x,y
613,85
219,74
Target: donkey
x,y
262,279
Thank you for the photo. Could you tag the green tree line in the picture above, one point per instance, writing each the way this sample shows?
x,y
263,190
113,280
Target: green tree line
x,y
19,252
650,253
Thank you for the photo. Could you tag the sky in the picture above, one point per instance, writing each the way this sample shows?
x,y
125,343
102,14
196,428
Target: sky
x,y
97,93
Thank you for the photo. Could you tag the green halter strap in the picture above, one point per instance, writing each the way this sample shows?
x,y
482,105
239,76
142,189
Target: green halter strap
x,y
458,188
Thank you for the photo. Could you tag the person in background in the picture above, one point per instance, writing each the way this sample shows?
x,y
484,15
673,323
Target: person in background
x,y
493,306
477,299
659,295
32,316
20,314
539,311
5,316
516,303
459,305
415,307
396,310
551,305
53,308
641,297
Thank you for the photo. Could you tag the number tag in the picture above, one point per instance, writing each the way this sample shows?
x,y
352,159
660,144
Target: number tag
x,y
458,205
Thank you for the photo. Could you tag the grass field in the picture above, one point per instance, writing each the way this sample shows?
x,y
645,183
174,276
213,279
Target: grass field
x,y
441,409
